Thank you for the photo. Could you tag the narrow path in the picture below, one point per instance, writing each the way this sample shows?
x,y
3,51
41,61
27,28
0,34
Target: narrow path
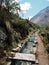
x,y
42,55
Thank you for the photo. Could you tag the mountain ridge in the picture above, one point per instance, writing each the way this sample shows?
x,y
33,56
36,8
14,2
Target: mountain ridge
x,y
42,18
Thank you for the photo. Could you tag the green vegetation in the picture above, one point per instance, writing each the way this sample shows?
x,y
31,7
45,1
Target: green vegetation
x,y
11,24
15,28
7,8
44,32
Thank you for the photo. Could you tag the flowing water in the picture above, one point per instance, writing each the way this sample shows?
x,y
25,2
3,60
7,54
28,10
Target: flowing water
x,y
28,50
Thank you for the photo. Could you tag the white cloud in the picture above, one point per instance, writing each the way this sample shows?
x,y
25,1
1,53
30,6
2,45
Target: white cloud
x,y
26,6
18,0
30,17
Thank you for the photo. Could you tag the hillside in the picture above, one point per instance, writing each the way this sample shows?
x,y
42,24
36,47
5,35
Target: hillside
x,y
13,28
42,17
44,33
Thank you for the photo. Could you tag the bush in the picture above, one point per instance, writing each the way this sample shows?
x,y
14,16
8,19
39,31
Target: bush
x,y
47,48
42,34
17,36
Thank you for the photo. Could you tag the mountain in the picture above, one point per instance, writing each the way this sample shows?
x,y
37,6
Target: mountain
x,y
42,18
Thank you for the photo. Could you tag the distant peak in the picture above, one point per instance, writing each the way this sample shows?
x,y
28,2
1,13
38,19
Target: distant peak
x,y
42,17
47,6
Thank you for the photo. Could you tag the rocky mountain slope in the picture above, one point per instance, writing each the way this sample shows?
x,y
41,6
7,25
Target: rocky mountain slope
x,y
42,17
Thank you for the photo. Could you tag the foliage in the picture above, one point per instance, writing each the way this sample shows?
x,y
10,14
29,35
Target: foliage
x,y
44,32
15,27
47,47
7,9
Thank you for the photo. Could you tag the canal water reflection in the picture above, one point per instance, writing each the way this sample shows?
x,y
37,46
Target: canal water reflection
x,y
28,50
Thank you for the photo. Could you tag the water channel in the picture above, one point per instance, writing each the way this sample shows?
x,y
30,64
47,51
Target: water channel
x,y
28,49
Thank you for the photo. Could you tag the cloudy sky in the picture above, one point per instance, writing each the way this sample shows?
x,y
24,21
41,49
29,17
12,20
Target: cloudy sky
x,y
31,7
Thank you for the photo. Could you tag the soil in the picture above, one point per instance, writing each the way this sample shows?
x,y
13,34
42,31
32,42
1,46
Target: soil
x,y
41,51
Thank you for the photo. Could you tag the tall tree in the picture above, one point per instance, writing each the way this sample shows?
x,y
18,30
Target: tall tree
x,y
8,8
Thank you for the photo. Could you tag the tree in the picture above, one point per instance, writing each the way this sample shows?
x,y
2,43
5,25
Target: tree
x,y
7,14
8,8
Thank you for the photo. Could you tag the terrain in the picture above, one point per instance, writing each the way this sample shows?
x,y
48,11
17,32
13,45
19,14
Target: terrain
x,y
42,18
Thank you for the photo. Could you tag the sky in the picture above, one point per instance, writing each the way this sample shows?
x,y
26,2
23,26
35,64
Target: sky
x,y
31,7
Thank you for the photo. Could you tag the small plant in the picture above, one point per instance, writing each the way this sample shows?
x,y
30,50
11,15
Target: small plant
x,y
47,48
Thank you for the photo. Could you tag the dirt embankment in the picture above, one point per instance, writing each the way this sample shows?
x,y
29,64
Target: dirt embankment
x,y
42,54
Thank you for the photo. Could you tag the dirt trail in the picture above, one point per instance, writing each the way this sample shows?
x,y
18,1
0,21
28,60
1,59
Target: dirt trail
x,y
42,55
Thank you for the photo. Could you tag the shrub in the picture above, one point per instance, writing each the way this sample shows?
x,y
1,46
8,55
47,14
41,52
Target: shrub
x,y
47,48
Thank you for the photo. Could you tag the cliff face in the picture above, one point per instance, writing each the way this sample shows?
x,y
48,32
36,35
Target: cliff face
x,y
42,17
